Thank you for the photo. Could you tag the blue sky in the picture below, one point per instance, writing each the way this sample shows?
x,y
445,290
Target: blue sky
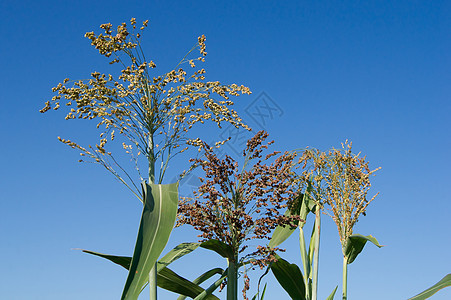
x,y
376,73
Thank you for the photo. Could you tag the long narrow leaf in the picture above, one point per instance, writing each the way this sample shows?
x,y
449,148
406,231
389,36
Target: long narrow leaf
x,y
212,287
166,278
446,281
311,251
170,281
355,244
157,220
124,261
258,294
205,276
281,233
290,278
171,256
332,295
176,253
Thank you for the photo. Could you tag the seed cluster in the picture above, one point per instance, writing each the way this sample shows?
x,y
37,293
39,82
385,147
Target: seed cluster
x,y
340,181
153,113
236,205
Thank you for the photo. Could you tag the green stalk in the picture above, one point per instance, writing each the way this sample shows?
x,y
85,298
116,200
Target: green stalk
x,y
305,261
316,253
153,271
153,283
232,279
345,278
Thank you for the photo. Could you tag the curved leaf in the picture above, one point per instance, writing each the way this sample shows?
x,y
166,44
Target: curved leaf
x,y
281,233
124,261
170,281
301,208
157,220
212,287
446,281
219,247
166,278
178,251
171,256
355,244
290,278
205,276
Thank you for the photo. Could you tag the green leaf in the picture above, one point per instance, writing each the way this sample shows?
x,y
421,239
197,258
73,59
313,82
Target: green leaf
x,y
124,261
157,220
179,284
171,256
263,294
219,247
213,286
205,276
290,278
355,244
176,253
170,281
281,233
332,295
446,281
311,250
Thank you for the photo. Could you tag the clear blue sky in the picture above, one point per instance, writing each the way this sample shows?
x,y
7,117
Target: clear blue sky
x,y
376,73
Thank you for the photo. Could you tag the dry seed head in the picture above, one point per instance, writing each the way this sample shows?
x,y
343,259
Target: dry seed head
x,y
341,181
139,106
236,206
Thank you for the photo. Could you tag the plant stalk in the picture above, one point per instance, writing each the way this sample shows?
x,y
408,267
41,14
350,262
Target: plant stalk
x,y
153,271
345,278
316,253
232,279
153,283
305,261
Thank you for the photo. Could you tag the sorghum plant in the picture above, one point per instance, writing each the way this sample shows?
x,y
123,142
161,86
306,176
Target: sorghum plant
x,y
341,181
153,112
235,205
312,185
348,181
150,114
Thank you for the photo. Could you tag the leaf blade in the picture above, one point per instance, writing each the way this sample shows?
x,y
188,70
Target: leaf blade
x,y
219,247
355,244
444,282
203,277
157,220
176,253
171,281
332,295
290,278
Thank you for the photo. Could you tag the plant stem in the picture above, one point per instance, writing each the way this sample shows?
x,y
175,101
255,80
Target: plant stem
x,y
232,279
316,253
153,271
153,282
345,278
151,159
305,262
